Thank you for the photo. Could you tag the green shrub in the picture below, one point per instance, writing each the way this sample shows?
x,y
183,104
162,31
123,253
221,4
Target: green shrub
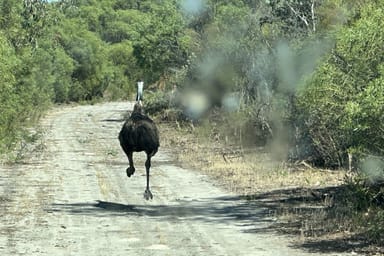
x,y
155,102
341,107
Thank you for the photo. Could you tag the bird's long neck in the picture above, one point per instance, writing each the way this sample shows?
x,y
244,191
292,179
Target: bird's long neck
x,y
140,86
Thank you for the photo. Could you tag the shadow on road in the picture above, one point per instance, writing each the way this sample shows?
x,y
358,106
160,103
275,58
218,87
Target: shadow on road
x,y
117,120
300,212
215,210
287,211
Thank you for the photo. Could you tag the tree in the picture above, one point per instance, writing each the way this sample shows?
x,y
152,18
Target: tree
x,y
90,73
341,104
162,44
125,71
8,98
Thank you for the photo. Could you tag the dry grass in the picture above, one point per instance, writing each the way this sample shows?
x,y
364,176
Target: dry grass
x,y
244,171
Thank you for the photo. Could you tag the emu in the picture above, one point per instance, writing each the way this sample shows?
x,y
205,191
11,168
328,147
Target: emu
x,y
139,133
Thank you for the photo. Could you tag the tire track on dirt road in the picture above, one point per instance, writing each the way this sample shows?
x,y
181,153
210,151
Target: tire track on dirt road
x,y
74,199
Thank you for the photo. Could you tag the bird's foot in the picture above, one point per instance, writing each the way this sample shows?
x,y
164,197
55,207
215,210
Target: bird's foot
x,y
148,195
130,171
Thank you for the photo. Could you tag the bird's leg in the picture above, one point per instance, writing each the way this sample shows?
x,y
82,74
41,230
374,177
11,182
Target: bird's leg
x,y
147,194
131,168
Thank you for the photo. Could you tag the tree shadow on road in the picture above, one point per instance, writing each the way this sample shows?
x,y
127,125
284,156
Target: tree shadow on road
x,y
299,212
227,210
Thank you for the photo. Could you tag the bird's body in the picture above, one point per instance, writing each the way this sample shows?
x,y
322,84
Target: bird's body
x,y
139,133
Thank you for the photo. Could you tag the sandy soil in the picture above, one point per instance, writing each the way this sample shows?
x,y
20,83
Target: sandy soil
x,y
74,198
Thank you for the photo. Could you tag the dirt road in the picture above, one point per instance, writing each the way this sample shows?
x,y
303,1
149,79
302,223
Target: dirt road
x,y
74,198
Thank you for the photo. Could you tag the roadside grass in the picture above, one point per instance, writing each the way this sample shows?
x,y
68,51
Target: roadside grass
x,y
29,141
242,170
326,210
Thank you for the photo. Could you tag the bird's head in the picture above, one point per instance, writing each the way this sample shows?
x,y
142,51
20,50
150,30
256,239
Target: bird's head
x,y
138,108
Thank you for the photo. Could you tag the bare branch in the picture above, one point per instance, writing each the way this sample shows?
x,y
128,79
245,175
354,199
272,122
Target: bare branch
x,y
313,16
302,17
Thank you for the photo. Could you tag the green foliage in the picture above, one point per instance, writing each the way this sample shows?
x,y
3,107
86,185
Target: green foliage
x,y
155,102
161,43
63,66
90,68
124,73
342,107
8,98
82,50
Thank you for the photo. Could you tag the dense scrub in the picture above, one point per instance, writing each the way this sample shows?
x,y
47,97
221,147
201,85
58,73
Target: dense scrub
x,y
340,109
255,59
74,51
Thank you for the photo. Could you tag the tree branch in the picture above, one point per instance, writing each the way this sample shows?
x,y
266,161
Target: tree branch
x,y
304,18
313,16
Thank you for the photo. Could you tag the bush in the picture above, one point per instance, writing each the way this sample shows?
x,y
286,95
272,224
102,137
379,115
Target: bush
x,y
363,203
155,102
342,104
